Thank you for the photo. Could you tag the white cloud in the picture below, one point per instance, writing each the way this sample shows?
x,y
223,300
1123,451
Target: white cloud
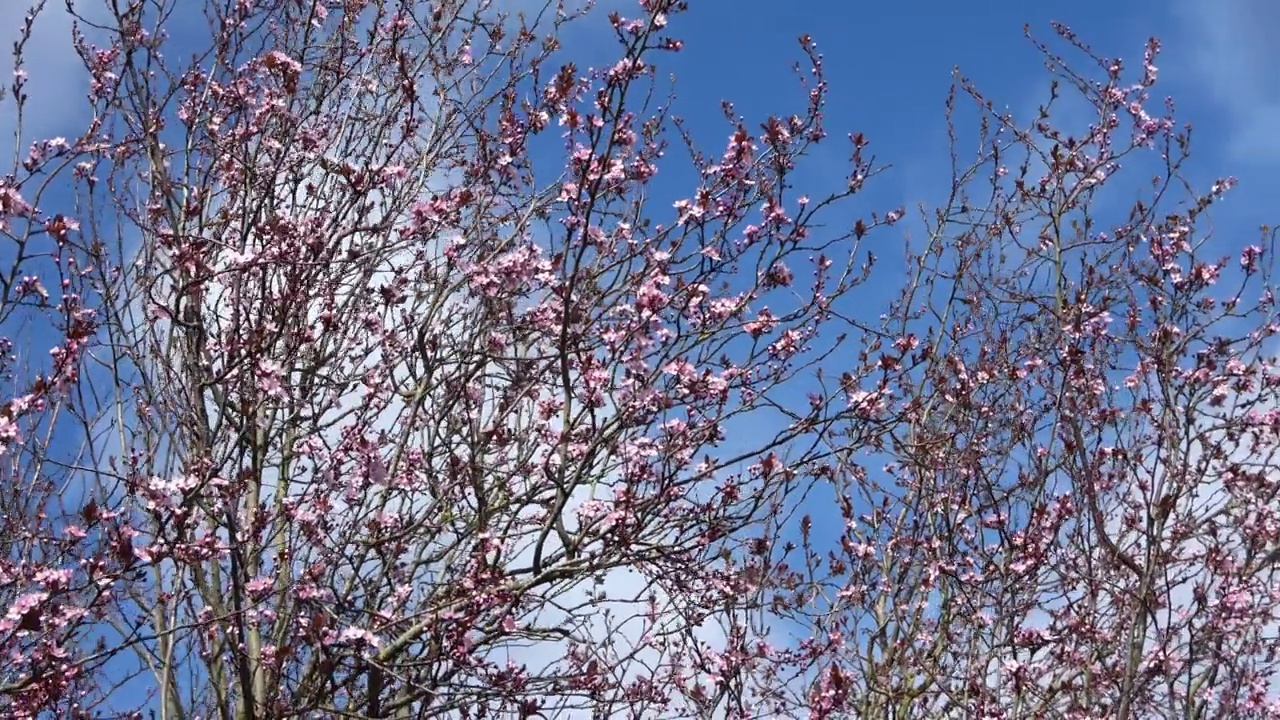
x,y
56,76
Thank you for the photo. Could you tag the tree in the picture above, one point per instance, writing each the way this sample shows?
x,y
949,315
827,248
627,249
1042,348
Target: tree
x,y
390,382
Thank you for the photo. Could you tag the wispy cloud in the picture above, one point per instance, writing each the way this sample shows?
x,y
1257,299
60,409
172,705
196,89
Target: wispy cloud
x,y
1234,55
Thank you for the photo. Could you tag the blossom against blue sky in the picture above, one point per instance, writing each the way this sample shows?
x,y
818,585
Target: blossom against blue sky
x,y
889,65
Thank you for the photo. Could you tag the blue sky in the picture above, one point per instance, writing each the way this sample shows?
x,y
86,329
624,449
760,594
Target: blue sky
x,y
889,66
